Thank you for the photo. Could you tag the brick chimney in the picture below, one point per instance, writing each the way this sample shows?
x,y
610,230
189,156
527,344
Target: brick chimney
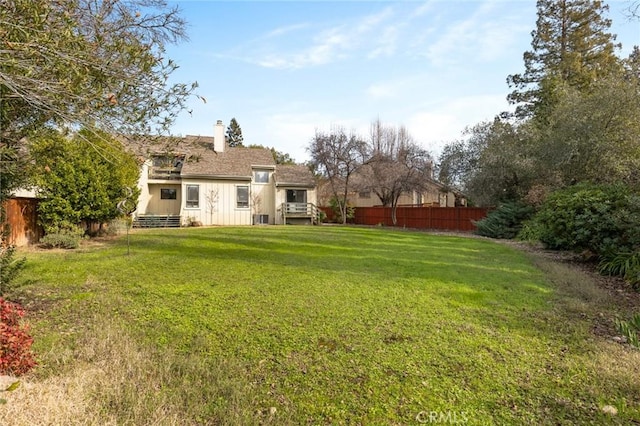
x,y
219,140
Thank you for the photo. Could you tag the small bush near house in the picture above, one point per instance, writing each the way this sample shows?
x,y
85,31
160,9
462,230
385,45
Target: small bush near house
x,y
506,221
67,237
16,357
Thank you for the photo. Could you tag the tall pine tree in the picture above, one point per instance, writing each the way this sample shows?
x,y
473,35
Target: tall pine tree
x,y
234,134
571,46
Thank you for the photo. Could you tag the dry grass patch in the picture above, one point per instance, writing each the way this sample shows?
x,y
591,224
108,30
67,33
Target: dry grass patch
x,y
111,379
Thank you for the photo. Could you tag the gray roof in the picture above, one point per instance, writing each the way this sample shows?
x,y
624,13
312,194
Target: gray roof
x,y
294,175
232,162
189,145
202,161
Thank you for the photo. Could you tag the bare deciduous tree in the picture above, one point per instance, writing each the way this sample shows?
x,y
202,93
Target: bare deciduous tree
x,y
394,164
212,202
337,155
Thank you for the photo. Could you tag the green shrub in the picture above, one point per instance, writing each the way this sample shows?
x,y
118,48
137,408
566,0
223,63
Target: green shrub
x,y
531,231
10,267
625,264
630,330
337,213
585,217
67,237
505,221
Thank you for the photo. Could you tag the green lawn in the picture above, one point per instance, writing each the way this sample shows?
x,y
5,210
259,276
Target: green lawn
x,y
324,325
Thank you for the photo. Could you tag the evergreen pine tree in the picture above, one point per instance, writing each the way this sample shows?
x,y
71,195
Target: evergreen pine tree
x,y
234,134
571,46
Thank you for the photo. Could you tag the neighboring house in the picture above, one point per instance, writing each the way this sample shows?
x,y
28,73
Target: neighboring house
x,y
200,180
435,194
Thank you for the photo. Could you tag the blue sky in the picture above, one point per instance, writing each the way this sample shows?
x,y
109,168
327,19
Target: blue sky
x,y
286,68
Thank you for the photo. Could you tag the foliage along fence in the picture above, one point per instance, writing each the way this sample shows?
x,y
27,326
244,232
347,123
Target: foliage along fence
x,y
22,218
445,218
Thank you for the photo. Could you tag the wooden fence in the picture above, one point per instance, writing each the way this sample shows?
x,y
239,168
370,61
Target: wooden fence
x,y
444,218
22,218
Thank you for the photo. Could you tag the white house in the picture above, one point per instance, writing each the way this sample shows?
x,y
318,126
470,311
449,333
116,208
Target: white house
x,y
200,180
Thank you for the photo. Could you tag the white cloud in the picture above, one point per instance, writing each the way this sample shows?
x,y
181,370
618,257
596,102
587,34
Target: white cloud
x,y
291,132
328,45
446,121
279,32
382,90
387,44
480,37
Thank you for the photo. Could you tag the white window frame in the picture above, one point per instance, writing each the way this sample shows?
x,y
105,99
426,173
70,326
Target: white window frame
x,y
238,206
255,175
186,199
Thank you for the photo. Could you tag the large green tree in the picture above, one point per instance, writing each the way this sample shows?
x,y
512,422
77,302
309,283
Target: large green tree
x,y
80,178
571,46
592,136
234,133
85,63
492,164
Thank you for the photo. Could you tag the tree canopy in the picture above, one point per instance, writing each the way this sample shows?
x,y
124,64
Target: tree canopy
x,y
578,109
571,46
80,178
86,63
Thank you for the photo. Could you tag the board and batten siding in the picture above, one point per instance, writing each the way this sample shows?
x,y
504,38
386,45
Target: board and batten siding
x,y
218,202
155,203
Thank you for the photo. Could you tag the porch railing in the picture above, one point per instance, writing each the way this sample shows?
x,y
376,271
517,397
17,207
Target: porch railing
x,y
164,173
300,210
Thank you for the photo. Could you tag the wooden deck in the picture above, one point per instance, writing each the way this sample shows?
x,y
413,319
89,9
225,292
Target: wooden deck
x,y
299,213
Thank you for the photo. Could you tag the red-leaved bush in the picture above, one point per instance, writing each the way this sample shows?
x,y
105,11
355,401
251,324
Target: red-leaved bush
x,y
16,357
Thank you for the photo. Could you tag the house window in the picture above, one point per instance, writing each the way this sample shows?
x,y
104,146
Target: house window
x,y
193,196
365,194
168,194
242,197
261,176
296,195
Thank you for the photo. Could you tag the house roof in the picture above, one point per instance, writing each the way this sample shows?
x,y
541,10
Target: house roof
x,y
200,158
189,145
232,162
294,175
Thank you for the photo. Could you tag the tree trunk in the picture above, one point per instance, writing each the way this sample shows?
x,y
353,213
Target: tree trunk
x,y
394,216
